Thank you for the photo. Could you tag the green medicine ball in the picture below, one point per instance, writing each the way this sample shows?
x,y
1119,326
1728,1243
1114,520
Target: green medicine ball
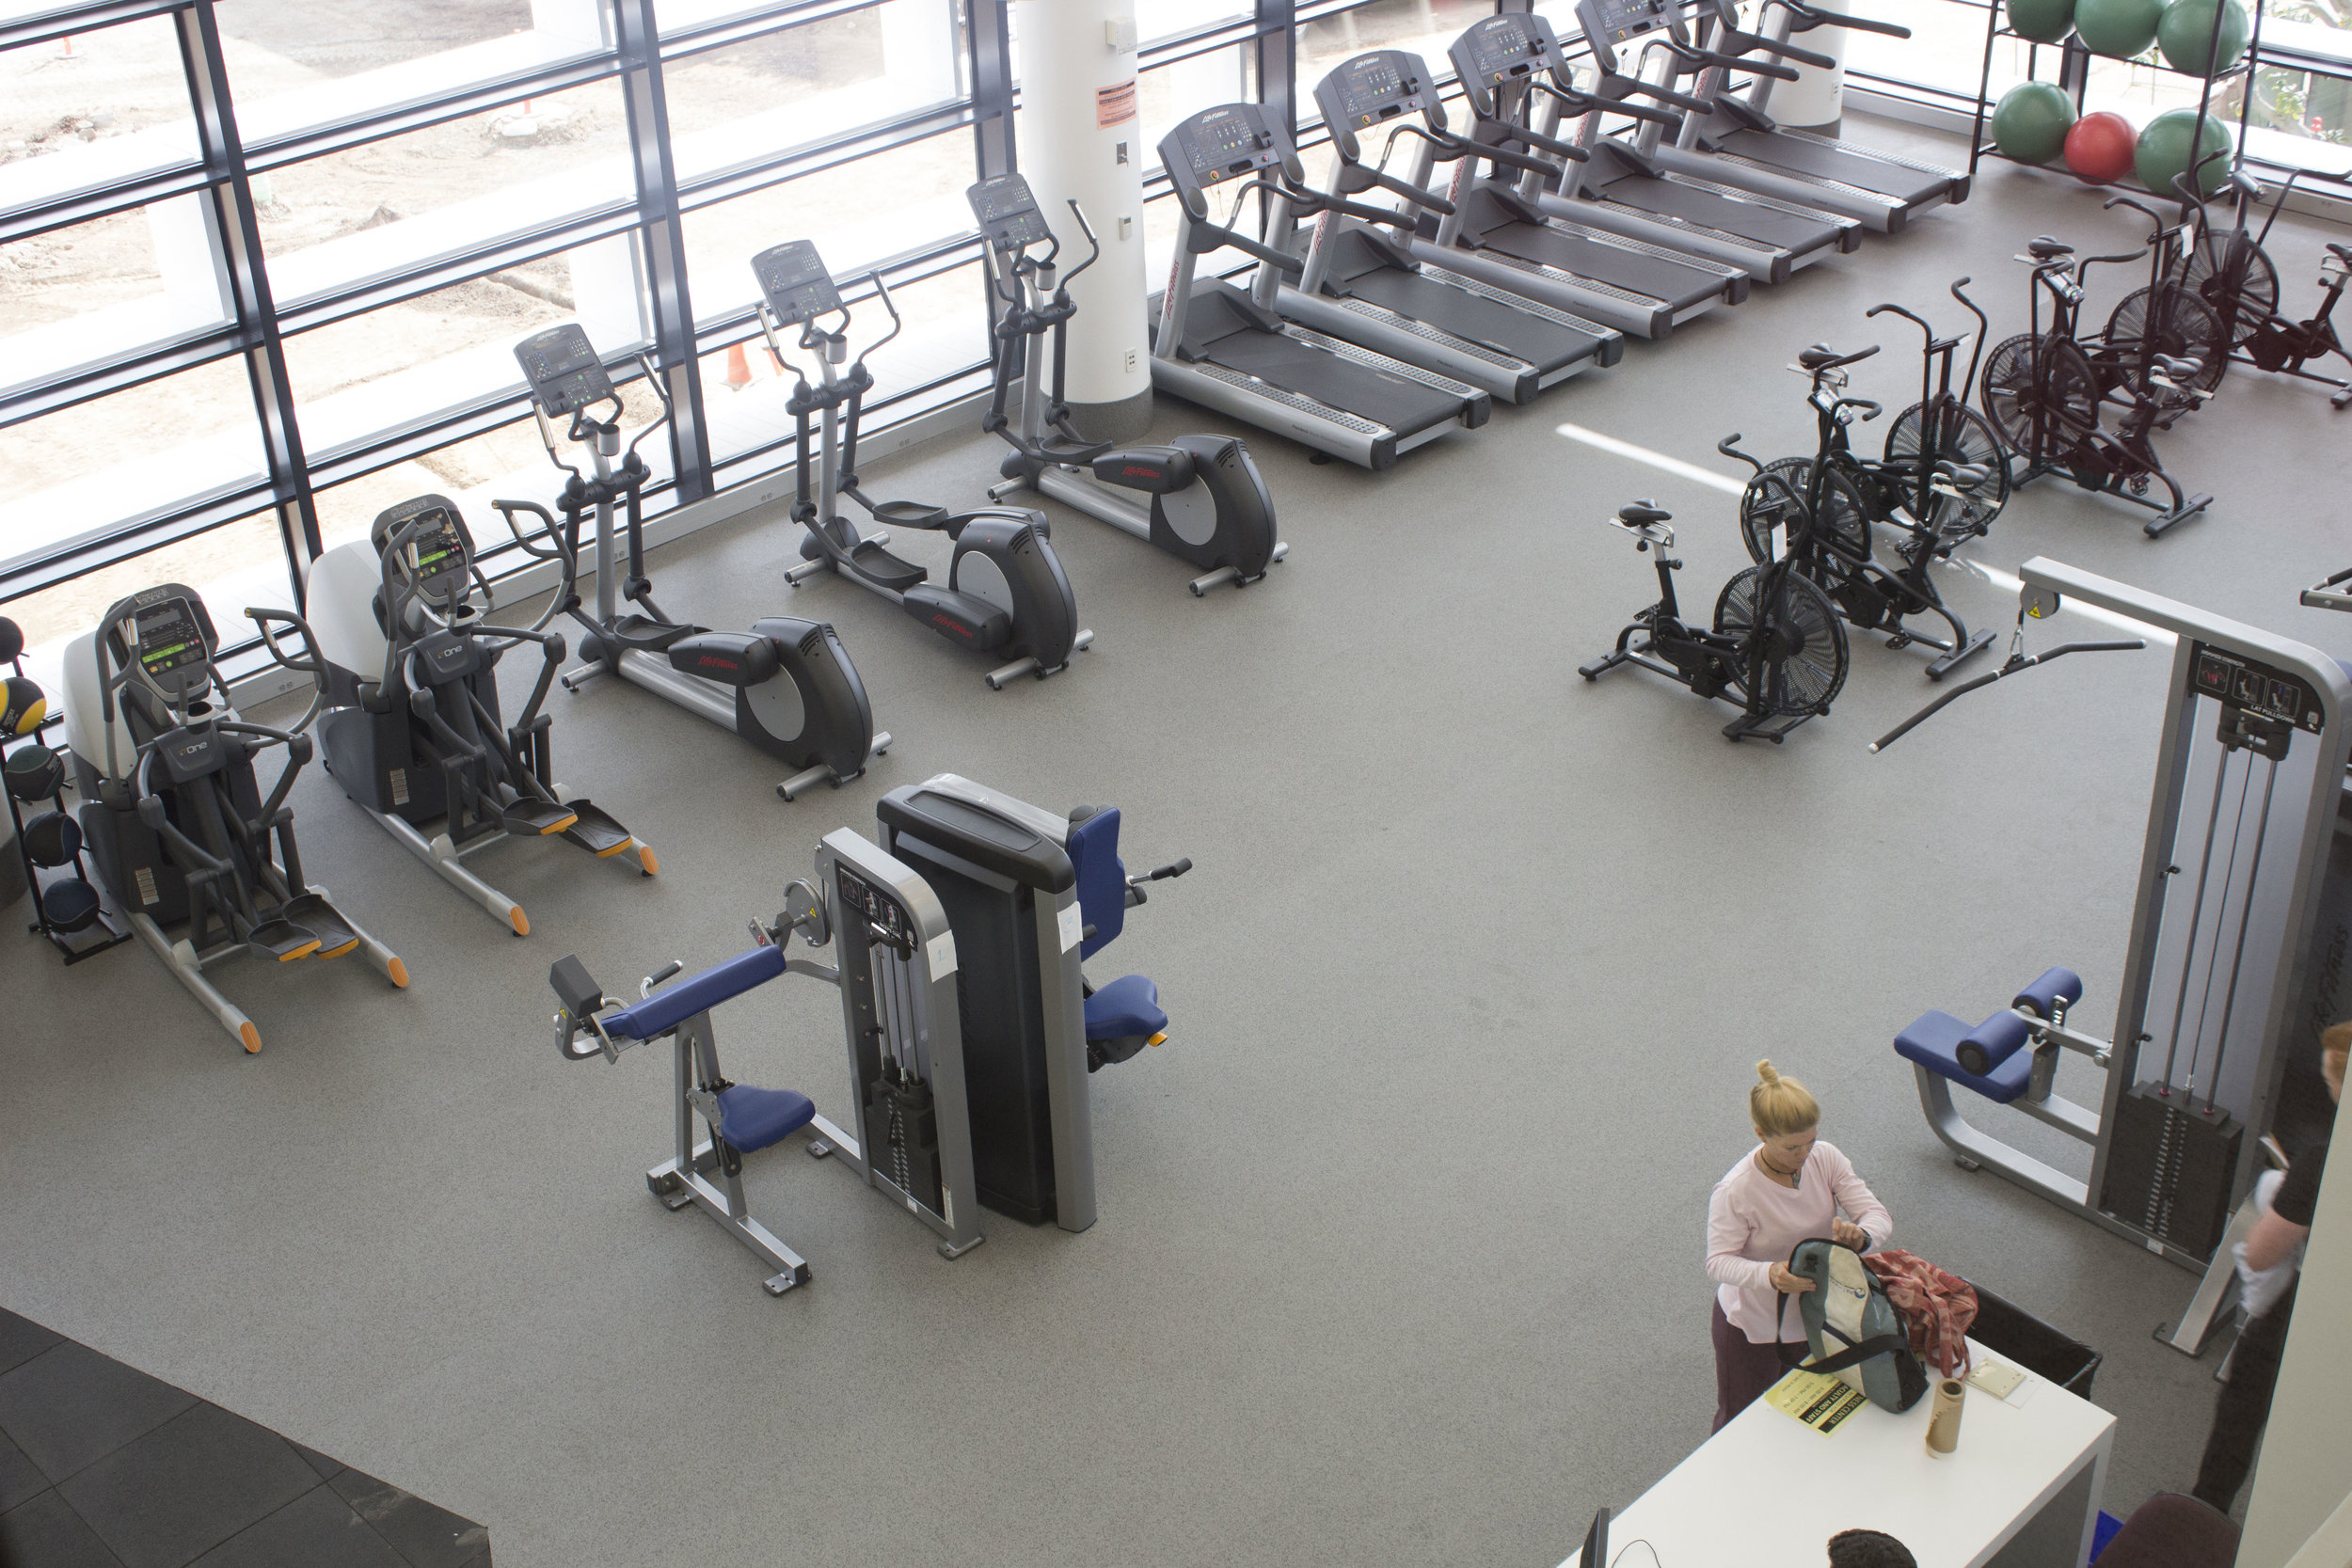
x,y
2042,21
2164,152
2119,28
2031,120
2185,32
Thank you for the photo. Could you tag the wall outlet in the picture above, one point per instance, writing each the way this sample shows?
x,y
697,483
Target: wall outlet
x,y
1126,227
1131,360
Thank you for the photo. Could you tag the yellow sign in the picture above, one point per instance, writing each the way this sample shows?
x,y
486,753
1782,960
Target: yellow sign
x,y
1817,1398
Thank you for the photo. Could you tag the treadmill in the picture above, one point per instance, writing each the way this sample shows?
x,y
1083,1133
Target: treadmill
x,y
1227,349
1624,189
1367,287
1499,235
1739,144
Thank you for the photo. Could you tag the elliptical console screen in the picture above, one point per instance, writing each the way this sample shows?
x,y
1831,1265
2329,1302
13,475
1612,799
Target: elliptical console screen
x,y
794,283
564,373
171,644
1221,144
1616,21
440,547
1378,86
1006,209
1499,49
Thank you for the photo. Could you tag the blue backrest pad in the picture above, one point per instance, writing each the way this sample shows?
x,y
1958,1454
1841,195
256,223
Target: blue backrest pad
x,y
1093,847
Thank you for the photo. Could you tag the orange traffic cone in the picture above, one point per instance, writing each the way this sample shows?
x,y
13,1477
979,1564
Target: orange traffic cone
x,y
739,368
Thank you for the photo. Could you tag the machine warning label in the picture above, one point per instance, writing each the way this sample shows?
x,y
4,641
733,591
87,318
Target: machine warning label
x,y
1072,927
1115,106
146,879
399,786
943,954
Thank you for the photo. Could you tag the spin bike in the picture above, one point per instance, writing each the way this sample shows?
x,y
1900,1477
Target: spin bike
x,y
2042,394
787,686
1207,504
1006,592
2232,272
173,811
1843,495
1777,648
413,728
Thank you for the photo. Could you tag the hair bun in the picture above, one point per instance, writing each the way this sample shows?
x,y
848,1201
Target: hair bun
x,y
1764,1072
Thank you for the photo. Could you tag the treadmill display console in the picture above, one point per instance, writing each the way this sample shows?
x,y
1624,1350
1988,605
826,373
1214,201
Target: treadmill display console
x,y
1501,49
1616,21
564,370
1378,86
171,644
1007,209
2249,684
793,280
1220,144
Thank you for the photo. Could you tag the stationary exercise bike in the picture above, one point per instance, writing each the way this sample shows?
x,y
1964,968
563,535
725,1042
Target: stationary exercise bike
x,y
1207,504
173,809
1843,495
413,728
787,686
2042,394
1006,592
2232,272
1777,648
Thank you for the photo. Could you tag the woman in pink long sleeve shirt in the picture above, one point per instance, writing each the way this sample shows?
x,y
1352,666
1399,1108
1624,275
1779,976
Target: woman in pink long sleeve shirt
x,y
1790,1188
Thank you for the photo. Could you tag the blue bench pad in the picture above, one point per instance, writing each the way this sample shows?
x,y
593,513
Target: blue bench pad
x,y
1932,1041
1128,1006
720,982
752,1118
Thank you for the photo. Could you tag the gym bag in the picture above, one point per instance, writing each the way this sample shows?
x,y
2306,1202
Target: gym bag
x,y
1937,1307
1852,1328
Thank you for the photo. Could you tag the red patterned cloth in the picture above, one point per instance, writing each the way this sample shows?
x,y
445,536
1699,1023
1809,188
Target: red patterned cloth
x,y
1937,1307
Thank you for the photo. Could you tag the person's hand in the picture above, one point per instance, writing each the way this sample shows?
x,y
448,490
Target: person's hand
x,y
1849,1234
1789,1284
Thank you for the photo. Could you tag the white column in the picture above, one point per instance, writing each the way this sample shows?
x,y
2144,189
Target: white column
x,y
585,22
1080,139
609,293
1817,96
918,50
196,287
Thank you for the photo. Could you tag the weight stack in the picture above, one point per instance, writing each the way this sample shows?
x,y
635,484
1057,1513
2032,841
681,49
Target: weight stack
x,y
2169,1168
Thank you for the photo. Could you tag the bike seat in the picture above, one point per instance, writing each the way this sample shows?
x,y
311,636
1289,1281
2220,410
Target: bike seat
x,y
1643,512
2044,247
1967,476
2179,370
1814,357
2342,253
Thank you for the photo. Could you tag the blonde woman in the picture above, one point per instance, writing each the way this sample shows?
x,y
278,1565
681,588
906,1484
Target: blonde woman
x,y
1788,1188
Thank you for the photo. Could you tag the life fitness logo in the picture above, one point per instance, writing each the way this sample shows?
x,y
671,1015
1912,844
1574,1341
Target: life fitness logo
x,y
953,624
1138,471
716,661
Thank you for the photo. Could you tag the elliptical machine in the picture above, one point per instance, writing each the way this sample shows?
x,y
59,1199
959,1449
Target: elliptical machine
x,y
1207,502
173,813
413,731
787,686
1006,592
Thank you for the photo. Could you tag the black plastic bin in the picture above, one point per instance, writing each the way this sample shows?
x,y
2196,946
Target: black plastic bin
x,y
2009,1330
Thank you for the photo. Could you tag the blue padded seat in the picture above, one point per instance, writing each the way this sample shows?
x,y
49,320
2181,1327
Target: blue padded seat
x,y
1932,1041
1093,848
720,982
752,1118
1128,1006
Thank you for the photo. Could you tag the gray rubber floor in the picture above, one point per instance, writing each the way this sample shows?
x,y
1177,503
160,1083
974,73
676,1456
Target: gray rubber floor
x,y
1399,1256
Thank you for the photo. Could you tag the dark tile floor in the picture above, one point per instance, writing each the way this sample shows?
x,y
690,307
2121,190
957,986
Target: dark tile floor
x,y
103,1466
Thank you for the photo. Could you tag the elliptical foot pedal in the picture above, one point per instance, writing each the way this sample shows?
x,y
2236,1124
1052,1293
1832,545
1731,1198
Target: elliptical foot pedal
x,y
594,832
920,514
315,914
528,818
284,940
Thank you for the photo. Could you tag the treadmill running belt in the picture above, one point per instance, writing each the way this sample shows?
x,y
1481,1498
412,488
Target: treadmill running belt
x,y
1546,345
1405,406
1652,276
1900,180
1646,193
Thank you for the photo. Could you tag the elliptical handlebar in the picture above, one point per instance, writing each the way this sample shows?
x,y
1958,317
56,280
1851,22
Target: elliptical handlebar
x,y
315,666
1811,18
1094,247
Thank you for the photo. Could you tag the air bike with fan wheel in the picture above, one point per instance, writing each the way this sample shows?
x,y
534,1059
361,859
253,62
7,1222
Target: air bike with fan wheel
x,y
1777,648
2233,961
1200,497
173,809
1006,594
787,686
413,730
